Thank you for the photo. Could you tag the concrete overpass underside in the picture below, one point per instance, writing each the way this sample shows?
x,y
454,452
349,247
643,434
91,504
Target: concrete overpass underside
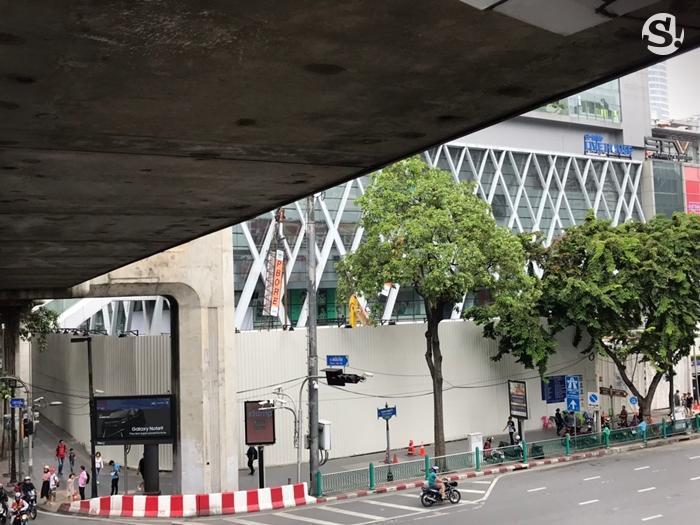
x,y
130,127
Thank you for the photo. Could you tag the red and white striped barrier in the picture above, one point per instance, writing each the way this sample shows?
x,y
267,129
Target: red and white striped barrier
x,y
190,505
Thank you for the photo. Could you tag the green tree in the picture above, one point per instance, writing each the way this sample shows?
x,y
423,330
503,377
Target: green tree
x,y
632,288
36,324
426,231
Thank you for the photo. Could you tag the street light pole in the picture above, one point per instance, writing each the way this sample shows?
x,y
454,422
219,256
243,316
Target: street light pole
x,y
93,471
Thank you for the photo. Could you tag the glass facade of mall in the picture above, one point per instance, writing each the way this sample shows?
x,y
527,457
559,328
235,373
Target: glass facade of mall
x,y
601,103
528,191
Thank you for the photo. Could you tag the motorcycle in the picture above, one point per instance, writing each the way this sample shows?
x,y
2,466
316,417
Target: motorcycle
x,y
21,518
3,513
430,496
31,499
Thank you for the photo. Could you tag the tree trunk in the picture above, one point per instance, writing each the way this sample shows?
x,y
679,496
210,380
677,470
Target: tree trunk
x,y
433,357
645,402
671,398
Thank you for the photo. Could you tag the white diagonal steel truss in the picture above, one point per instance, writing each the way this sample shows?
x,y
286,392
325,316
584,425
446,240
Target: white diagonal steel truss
x,y
539,199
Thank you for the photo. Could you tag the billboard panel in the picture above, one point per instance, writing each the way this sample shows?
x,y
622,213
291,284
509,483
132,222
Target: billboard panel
x,y
691,179
259,424
517,397
123,420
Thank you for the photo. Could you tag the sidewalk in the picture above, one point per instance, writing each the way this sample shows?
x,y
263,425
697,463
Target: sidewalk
x,y
45,440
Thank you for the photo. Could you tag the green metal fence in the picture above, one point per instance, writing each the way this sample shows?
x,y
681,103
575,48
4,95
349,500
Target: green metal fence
x,y
399,471
370,477
345,481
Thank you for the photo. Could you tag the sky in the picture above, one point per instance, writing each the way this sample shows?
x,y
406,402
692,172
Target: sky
x,y
684,84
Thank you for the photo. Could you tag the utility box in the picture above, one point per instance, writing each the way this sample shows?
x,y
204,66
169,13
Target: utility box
x,y
324,434
475,440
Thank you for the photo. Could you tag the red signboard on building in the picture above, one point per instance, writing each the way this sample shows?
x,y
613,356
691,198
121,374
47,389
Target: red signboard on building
x,y
691,178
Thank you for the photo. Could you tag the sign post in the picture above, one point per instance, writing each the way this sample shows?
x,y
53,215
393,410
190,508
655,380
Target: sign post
x,y
339,361
573,397
594,403
259,431
386,414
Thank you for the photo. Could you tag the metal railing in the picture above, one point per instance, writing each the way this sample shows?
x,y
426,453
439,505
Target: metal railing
x,y
369,478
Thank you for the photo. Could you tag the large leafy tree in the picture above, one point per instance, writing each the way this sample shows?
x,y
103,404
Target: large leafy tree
x,y
426,231
632,288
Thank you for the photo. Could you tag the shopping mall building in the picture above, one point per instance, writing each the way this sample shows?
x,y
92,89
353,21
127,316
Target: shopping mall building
x,y
541,171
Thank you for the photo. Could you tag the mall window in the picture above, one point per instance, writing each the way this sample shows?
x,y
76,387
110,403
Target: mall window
x,y
668,187
600,103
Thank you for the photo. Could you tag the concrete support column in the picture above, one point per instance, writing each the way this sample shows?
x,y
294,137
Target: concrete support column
x,y
198,280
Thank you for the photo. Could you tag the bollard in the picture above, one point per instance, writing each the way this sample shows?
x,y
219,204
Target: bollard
x,y
477,459
567,445
427,466
319,484
524,445
372,483
606,437
664,430
697,422
644,436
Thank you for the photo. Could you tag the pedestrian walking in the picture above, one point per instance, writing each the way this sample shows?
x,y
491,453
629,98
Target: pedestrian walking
x,y
510,427
99,465
689,405
559,421
677,398
114,475
71,461
83,480
60,455
45,484
252,454
54,483
72,496
141,471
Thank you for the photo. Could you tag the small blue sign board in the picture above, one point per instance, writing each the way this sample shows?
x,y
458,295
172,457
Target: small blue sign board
x,y
554,390
337,360
593,398
573,393
17,402
633,400
386,413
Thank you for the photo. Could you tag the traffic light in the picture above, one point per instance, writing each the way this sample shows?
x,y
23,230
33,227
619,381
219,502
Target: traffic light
x,y
336,377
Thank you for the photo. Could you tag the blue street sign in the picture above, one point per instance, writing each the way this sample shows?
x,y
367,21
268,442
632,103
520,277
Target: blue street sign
x,y
573,385
633,400
17,402
593,398
337,360
573,404
554,390
386,413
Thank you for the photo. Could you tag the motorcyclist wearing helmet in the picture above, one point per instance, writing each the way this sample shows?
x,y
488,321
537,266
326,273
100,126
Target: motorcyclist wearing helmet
x,y
434,482
19,505
26,486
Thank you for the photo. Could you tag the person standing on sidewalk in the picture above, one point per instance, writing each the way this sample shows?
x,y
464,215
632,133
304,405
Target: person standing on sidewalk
x,y
99,465
115,477
60,455
83,480
252,456
141,471
71,460
558,421
510,427
45,484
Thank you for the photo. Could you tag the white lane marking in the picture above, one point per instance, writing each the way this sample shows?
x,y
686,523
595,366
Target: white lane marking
x,y
241,521
472,491
488,491
537,489
482,482
647,489
589,502
403,495
299,517
352,512
694,457
695,478
642,468
393,505
655,516
591,478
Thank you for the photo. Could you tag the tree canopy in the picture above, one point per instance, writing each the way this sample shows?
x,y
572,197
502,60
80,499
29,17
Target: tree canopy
x,y
427,231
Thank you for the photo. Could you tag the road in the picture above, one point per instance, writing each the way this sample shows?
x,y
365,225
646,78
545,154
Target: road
x,y
659,485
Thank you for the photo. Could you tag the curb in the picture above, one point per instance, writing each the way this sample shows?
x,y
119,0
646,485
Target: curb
x,y
513,467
